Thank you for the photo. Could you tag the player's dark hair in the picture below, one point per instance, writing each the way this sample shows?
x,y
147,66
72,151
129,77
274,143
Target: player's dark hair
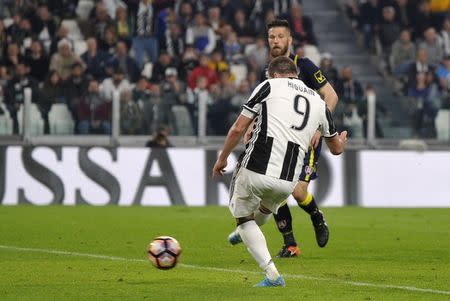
x,y
281,65
279,23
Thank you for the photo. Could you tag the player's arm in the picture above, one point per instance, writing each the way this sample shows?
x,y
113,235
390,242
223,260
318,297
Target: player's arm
x,y
329,96
335,141
316,80
235,134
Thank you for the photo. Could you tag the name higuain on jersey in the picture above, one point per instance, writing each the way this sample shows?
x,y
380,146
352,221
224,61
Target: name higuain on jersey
x,y
303,89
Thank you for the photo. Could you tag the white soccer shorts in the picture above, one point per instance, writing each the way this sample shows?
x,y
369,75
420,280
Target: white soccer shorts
x,y
250,189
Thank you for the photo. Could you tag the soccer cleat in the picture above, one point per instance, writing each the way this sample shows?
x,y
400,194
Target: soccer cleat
x,y
321,228
269,283
234,238
289,251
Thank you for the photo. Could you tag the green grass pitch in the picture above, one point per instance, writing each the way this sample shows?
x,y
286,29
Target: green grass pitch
x,y
373,254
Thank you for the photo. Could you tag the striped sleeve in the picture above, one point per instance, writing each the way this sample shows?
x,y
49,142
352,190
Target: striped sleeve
x,y
252,106
327,127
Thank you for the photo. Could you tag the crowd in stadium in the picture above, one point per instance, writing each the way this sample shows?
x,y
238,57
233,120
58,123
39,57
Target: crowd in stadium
x,y
160,56
157,54
412,38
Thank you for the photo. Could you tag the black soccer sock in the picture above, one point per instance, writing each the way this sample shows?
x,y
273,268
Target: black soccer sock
x,y
309,205
284,224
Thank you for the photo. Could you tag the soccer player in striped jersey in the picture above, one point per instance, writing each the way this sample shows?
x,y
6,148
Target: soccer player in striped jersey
x,y
287,114
280,41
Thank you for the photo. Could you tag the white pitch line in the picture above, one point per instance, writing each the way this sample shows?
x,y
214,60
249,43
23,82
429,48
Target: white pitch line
x,y
214,269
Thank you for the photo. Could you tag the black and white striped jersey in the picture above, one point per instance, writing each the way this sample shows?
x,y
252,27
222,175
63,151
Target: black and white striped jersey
x,y
287,114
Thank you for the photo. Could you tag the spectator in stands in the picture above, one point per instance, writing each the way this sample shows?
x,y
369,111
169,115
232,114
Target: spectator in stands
x,y
329,71
445,36
189,61
160,138
109,42
62,34
13,57
302,27
362,112
349,89
227,88
419,66
198,99
160,67
259,56
44,26
173,42
432,46
63,60
353,13
99,22
53,90
186,15
123,26
37,61
74,88
214,19
147,96
122,59
219,112
130,114
388,31
95,60
424,110
370,18
217,62
115,84
19,30
145,41
173,92
201,35
65,9
94,112
422,19
244,29
233,49
403,53
15,95
202,70
403,13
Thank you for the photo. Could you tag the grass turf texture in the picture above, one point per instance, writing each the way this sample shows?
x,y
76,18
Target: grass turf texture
x,y
404,247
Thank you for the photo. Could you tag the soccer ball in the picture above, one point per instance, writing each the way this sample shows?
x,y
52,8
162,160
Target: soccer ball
x,y
163,252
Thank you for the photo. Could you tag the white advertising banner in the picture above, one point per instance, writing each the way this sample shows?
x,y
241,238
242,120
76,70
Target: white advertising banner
x,y
132,176
404,179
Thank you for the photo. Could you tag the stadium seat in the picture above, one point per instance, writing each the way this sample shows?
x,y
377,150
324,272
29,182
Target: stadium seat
x,y
147,71
74,31
182,122
6,123
80,47
60,120
84,8
442,123
240,72
37,123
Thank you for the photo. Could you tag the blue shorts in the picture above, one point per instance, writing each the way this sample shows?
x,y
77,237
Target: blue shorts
x,y
309,170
